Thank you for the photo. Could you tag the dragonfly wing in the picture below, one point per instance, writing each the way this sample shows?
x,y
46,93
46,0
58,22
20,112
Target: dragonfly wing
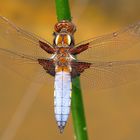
x,y
102,75
25,66
20,40
109,45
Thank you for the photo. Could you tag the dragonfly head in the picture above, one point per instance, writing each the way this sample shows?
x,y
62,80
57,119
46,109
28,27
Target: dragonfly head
x,y
68,26
64,31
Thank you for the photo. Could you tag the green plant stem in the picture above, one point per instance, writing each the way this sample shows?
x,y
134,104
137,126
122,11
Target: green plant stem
x,y
78,114
79,123
63,10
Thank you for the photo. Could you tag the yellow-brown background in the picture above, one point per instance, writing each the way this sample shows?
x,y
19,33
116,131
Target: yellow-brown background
x,y
111,114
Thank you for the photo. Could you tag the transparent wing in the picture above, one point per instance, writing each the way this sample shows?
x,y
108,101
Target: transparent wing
x,y
102,75
19,51
25,66
20,40
111,44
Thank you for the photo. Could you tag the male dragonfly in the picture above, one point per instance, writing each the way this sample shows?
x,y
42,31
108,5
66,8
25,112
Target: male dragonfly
x,y
64,60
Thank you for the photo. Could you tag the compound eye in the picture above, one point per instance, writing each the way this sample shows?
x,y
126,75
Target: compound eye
x,y
58,40
67,39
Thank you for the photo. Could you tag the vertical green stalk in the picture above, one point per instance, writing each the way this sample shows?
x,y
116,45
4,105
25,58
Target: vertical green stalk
x,y
79,123
63,10
78,114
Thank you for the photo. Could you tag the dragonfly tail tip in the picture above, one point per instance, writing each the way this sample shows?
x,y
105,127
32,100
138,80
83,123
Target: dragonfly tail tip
x,y
61,128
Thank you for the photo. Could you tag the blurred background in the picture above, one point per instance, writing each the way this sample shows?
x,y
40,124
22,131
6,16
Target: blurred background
x,y
26,109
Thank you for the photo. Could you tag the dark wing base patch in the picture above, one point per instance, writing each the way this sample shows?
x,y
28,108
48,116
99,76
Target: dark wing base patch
x,y
79,49
46,47
78,68
48,65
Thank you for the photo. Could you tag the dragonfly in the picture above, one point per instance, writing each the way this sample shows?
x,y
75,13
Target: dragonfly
x,y
63,60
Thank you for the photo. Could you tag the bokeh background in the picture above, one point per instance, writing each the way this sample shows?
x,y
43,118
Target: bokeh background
x,y
26,109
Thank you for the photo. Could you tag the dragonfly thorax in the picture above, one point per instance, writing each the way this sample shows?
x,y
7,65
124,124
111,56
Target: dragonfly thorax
x,y
62,59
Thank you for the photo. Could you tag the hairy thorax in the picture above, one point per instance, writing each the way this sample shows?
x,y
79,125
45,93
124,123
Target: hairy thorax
x,y
62,60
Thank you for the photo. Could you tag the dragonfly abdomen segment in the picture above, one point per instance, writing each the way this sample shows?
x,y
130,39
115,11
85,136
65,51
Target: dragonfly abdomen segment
x,y
62,98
